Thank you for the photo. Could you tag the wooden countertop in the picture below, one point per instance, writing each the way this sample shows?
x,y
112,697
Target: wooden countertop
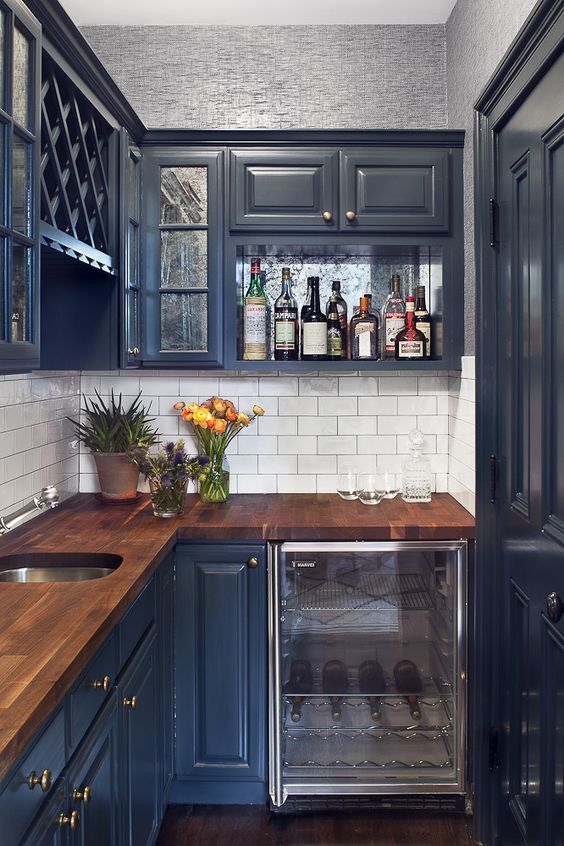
x,y
50,632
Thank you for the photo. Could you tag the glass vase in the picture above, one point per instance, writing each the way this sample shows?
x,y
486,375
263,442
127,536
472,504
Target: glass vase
x,y
214,480
167,501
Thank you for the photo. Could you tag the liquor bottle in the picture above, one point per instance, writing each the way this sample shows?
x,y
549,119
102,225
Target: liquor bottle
x,y
393,317
314,345
334,332
305,309
364,333
300,683
371,680
423,318
343,315
255,317
335,680
410,342
408,682
286,322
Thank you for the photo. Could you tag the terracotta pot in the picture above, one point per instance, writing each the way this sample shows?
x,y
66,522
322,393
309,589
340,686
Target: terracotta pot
x,y
117,475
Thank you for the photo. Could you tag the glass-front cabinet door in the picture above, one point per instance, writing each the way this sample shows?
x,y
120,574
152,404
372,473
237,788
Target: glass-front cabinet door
x,y
367,668
20,45
182,294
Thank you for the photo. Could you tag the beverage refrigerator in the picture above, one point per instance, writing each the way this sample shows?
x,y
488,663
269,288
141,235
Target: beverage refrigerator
x,y
367,671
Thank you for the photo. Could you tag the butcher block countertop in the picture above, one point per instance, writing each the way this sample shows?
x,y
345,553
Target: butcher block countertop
x,y
50,632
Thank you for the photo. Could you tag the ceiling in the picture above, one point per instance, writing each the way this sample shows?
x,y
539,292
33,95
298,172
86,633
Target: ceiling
x,y
257,12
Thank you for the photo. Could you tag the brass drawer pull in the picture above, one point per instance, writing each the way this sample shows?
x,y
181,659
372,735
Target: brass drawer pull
x,y
44,780
350,216
84,795
72,821
104,684
252,562
130,703
133,351
327,216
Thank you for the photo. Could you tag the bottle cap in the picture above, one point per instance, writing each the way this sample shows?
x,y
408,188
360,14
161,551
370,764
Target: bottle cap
x,y
395,281
336,285
285,271
364,303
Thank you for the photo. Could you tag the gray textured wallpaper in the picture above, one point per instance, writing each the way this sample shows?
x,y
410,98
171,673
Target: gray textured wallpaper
x,y
478,34
279,77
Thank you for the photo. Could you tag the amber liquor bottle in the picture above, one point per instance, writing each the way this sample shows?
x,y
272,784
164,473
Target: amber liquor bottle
x,y
410,342
255,317
343,317
364,333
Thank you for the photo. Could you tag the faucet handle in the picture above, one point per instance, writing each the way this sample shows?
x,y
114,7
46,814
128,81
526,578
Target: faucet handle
x,y
49,497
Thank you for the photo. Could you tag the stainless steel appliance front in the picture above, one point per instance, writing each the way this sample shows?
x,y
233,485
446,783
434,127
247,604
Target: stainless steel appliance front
x,y
367,668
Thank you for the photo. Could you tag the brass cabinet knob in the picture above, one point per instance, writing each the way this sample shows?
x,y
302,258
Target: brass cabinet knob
x,y
130,703
84,795
327,216
252,562
350,215
72,821
102,684
133,351
44,780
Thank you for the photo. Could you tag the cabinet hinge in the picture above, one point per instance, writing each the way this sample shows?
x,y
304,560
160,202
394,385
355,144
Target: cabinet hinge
x,y
493,222
493,477
493,753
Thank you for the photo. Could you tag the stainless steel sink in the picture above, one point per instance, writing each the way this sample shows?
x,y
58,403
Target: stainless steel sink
x,y
57,566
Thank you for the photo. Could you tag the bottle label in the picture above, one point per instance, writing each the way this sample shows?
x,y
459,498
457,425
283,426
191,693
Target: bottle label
x,y
425,329
411,349
285,331
334,342
363,334
315,339
255,328
393,323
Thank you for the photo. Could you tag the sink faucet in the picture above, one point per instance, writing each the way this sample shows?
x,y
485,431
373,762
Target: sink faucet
x,y
47,498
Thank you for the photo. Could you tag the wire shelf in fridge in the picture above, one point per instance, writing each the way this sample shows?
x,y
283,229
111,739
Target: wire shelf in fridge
x,y
363,591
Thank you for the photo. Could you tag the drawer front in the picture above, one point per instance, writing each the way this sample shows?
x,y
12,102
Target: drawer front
x,y
18,803
91,691
284,189
395,190
136,622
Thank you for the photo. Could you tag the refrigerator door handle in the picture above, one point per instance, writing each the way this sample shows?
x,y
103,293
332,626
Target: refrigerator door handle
x,y
276,791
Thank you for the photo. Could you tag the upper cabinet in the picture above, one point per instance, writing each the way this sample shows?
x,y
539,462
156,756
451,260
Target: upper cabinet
x,y
20,82
284,189
182,266
376,189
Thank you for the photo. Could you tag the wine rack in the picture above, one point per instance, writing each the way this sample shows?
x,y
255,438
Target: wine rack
x,y
385,605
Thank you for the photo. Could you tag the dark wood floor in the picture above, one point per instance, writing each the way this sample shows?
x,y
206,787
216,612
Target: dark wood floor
x,y
244,825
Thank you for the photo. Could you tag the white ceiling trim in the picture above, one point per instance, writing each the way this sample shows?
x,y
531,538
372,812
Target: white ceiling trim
x,y
256,12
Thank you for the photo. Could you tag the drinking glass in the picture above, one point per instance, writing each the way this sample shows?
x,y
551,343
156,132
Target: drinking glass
x,y
386,485
347,486
367,489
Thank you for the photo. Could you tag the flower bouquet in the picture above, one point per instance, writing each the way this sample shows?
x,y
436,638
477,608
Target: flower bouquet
x,y
215,423
168,472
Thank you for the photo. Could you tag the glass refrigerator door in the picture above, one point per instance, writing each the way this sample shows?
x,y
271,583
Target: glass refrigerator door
x,y
368,645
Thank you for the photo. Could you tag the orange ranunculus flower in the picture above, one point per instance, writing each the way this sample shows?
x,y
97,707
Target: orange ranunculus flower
x,y
201,415
258,410
220,426
192,406
178,406
210,423
187,415
219,405
243,418
231,414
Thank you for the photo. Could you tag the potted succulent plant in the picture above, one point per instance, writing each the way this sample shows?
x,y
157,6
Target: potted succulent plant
x,y
110,432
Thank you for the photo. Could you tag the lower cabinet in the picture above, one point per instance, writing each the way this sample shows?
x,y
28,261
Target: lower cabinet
x,y
140,746
221,679
49,828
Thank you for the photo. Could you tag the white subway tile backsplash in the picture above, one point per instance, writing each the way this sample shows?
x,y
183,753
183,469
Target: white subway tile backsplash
x,y
298,406
256,484
357,425
417,405
377,405
396,425
317,463
278,425
258,445
317,425
244,387
321,386
298,445
356,463
377,444
327,484
192,387
279,464
301,483
397,385
280,386
437,425
340,445
337,405
359,386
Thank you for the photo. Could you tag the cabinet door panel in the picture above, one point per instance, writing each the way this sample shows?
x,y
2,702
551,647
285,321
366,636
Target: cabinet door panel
x,y
142,744
47,830
400,190
220,664
283,189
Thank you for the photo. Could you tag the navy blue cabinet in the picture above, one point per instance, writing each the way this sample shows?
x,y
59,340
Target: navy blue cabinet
x,y
165,624
92,780
140,746
220,673
50,828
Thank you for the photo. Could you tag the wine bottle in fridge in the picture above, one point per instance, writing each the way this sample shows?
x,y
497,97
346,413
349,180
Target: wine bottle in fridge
x,y
371,681
408,682
299,685
336,684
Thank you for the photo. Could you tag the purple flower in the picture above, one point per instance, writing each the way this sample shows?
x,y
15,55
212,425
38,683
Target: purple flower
x,y
169,447
203,460
166,480
182,478
179,458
